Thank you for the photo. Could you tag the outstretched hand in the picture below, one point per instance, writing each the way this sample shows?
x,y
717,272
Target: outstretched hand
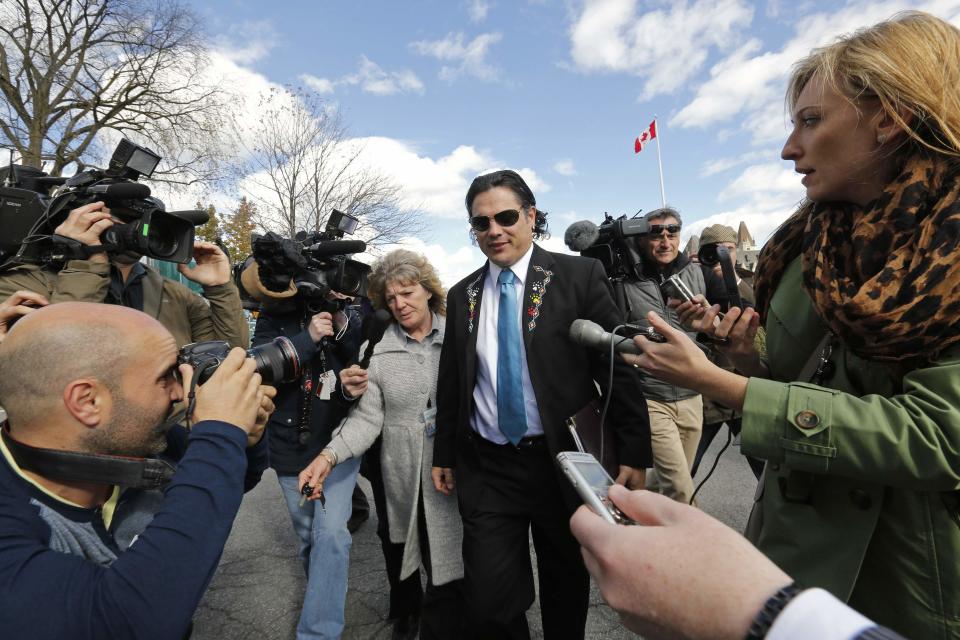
x,y
679,573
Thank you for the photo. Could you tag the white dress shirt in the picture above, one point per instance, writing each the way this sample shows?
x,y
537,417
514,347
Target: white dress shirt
x,y
815,613
484,418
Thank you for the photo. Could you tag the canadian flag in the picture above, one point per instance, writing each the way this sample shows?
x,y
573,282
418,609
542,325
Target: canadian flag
x,y
645,137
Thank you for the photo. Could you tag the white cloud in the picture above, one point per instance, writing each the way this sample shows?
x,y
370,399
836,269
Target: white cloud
x,y
452,266
719,165
768,194
772,178
373,79
478,10
320,85
565,168
665,47
749,83
247,42
469,59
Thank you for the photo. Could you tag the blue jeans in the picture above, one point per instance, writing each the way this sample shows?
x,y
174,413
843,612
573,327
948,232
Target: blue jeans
x,y
324,549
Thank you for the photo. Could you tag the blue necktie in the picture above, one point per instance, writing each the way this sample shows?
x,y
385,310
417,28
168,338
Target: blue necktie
x,y
510,408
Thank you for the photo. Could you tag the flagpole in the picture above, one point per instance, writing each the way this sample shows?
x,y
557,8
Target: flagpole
x,y
663,195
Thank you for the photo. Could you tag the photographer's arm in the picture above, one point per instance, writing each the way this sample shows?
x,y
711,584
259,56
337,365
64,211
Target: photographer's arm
x,y
223,319
153,588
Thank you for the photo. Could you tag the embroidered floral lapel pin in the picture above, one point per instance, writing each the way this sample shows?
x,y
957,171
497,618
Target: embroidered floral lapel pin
x,y
473,292
538,290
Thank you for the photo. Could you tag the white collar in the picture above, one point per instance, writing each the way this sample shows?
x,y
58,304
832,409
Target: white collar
x,y
519,267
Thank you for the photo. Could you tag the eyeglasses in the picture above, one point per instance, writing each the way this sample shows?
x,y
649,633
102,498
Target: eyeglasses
x,y
657,229
506,218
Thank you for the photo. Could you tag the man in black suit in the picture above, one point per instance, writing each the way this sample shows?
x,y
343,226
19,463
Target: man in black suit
x,y
509,377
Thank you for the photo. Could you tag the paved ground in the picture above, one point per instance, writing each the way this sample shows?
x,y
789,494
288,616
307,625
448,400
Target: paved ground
x,y
257,591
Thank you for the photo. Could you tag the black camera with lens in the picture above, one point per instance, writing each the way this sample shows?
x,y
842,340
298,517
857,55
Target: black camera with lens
x,y
311,264
277,361
29,213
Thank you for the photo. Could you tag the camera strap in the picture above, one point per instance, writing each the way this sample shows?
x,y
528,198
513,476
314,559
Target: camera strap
x,y
143,473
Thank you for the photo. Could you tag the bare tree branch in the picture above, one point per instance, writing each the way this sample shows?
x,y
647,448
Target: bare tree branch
x,y
71,70
302,165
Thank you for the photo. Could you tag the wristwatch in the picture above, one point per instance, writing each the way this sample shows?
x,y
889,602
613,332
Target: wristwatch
x,y
771,609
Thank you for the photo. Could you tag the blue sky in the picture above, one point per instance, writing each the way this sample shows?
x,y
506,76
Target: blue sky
x,y
440,91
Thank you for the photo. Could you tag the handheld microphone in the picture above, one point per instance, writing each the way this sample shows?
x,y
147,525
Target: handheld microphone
x,y
589,334
581,235
379,322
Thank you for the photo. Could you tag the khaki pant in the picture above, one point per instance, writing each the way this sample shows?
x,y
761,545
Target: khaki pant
x,y
675,429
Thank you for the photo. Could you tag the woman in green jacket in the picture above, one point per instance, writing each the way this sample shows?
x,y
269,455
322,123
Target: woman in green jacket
x,y
856,409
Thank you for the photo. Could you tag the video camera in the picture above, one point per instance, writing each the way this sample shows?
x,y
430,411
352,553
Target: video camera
x,y
29,214
609,243
314,264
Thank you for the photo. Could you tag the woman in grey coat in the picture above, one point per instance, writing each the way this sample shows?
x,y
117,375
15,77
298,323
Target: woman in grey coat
x,y
399,404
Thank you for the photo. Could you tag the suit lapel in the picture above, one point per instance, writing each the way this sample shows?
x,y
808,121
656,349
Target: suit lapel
x,y
539,277
474,295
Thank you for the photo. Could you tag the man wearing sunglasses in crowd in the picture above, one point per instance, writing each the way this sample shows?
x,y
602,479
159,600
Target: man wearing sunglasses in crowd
x,y
676,414
509,377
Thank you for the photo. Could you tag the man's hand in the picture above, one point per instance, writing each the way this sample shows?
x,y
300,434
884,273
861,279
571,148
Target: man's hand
x,y
314,475
233,393
212,268
263,415
443,480
19,304
321,326
354,380
680,573
632,477
85,224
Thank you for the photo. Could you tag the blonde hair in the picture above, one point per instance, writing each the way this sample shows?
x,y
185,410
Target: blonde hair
x,y
911,63
406,267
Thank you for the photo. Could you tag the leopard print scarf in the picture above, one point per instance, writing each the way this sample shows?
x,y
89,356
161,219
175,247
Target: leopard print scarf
x,y
885,279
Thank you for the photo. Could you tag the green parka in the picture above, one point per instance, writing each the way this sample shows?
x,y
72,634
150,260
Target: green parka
x,y
861,494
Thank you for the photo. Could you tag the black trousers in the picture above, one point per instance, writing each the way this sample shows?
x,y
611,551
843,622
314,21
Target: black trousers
x,y
405,595
521,494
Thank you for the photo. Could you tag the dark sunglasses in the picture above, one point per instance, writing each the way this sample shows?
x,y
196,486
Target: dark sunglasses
x,y
657,229
506,218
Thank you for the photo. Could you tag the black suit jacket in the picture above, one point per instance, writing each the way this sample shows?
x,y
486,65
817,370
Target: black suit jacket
x,y
558,289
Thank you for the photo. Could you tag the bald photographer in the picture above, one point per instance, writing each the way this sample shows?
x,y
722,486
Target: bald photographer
x,y
111,526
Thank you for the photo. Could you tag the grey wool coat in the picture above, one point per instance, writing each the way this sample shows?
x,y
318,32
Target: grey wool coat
x,y
402,376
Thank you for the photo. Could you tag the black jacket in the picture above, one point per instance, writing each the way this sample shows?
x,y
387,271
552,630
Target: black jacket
x,y
287,455
558,289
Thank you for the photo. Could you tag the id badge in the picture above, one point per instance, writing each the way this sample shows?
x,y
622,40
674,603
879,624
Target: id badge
x,y
430,421
327,381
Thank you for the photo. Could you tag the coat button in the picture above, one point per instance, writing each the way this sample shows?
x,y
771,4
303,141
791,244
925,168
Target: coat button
x,y
420,359
860,499
807,419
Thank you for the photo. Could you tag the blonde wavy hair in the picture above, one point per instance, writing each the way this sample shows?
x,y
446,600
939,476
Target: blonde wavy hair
x,y
405,267
911,63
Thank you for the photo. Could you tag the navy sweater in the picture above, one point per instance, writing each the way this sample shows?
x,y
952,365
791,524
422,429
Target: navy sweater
x,y
152,587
